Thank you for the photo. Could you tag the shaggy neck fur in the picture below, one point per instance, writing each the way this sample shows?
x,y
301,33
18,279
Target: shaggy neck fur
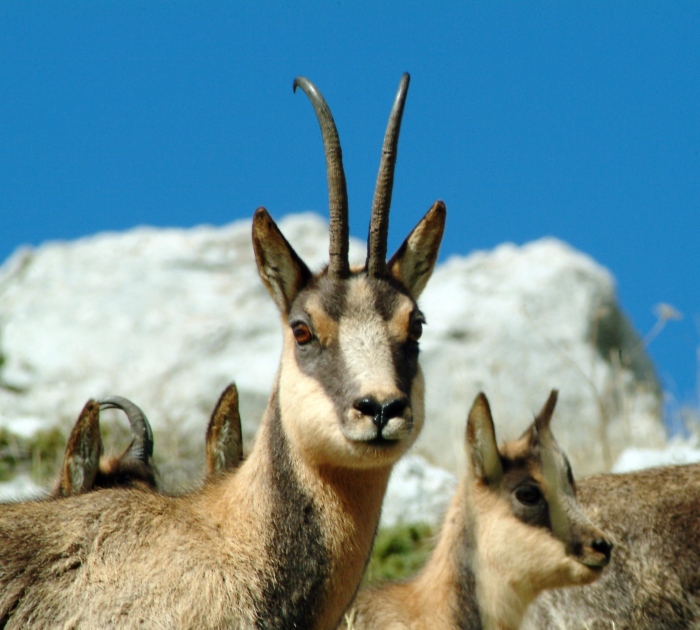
x,y
319,526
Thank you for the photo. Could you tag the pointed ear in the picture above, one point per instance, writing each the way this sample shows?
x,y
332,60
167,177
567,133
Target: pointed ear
x,y
83,451
224,442
556,473
543,429
544,417
279,266
413,263
481,447
540,425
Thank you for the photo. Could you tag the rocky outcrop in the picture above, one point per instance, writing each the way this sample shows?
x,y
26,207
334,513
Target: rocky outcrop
x,y
519,321
169,317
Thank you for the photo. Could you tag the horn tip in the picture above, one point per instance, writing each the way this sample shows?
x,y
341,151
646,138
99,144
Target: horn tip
x,y
301,82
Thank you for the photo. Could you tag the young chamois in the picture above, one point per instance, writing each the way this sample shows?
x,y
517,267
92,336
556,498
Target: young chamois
x,y
86,468
653,580
283,541
512,530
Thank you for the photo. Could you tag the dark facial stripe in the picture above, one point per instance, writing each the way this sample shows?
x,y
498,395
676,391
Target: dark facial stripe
x,y
515,475
292,595
405,356
326,365
466,615
333,297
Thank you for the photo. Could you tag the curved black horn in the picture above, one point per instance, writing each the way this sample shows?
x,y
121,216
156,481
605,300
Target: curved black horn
x,y
339,266
379,223
142,445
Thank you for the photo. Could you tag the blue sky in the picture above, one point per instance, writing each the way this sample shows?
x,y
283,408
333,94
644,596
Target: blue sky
x,y
572,119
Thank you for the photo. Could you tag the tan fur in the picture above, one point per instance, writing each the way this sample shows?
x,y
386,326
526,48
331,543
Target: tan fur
x,y
325,328
488,565
400,322
516,563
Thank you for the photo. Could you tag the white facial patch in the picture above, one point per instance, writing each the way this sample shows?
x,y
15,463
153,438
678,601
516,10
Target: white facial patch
x,y
365,343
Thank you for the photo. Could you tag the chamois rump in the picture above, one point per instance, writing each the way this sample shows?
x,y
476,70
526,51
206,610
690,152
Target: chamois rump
x,y
653,580
283,541
512,530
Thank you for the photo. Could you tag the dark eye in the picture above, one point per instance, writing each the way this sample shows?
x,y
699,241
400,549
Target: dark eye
x,y
415,329
528,495
301,333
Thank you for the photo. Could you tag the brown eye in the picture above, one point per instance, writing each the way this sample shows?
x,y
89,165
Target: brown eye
x,y
301,333
528,495
415,329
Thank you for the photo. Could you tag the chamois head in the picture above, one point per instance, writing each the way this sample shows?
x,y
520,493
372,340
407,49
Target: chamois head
x,y
531,530
350,388
85,468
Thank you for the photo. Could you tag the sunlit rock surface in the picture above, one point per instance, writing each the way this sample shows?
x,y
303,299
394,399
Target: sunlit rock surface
x,y
168,317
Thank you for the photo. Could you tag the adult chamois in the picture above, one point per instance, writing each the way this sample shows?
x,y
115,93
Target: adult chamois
x,y
283,541
653,580
512,530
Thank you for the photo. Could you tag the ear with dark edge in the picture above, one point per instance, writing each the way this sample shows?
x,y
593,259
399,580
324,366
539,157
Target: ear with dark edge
x,y
552,462
279,266
224,441
544,417
83,451
542,420
413,263
482,450
542,435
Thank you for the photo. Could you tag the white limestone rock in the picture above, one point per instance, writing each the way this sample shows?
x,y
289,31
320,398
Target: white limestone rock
x,y
677,452
20,488
519,321
168,317
417,493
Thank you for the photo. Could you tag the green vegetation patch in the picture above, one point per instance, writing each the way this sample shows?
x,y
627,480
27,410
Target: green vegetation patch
x,y
40,454
399,552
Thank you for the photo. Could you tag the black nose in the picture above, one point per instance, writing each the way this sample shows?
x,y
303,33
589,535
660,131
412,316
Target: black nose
x,y
381,412
603,546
